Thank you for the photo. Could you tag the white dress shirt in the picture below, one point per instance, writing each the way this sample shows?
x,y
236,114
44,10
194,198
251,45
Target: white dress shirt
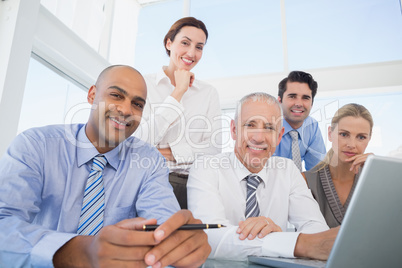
x,y
191,127
217,192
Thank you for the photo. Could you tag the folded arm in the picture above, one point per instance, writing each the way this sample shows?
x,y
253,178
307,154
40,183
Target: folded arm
x,y
257,226
316,246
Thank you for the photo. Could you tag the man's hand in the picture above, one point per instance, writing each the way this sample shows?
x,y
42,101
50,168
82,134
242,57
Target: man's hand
x,y
119,245
126,245
357,161
254,226
316,246
186,248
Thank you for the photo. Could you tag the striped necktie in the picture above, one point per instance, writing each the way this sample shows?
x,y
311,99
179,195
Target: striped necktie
x,y
295,149
252,209
91,219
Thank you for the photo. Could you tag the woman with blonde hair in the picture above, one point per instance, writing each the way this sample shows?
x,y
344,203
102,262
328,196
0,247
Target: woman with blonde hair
x,y
333,180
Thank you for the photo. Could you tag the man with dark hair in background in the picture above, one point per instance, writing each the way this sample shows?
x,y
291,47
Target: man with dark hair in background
x,y
302,140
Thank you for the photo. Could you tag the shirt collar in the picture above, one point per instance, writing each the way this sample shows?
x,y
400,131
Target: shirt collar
x,y
242,172
86,151
287,127
162,77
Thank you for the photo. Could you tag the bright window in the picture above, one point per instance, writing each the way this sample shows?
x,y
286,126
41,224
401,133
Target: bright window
x,y
246,36
51,99
386,132
153,23
343,32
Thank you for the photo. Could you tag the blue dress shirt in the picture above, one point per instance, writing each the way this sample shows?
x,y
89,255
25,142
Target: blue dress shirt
x,y
42,180
311,143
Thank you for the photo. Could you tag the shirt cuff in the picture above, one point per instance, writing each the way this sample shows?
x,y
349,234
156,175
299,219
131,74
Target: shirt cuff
x,y
43,252
280,244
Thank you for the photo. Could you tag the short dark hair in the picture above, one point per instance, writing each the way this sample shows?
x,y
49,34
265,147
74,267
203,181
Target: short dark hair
x,y
176,27
301,77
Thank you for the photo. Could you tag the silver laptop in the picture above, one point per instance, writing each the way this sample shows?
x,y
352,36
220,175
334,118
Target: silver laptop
x,y
371,232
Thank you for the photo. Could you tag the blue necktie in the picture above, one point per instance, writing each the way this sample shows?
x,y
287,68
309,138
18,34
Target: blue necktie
x,y
91,219
252,209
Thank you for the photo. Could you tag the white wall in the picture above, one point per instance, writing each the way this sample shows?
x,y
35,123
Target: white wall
x,y
378,76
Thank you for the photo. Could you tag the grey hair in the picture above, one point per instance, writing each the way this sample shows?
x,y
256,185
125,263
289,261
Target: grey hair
x,y
258,96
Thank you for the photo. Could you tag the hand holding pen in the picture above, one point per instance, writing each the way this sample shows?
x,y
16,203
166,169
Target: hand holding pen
x,y
177,248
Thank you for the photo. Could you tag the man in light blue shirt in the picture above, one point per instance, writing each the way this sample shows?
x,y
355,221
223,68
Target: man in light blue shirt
x,y
296,95
43,176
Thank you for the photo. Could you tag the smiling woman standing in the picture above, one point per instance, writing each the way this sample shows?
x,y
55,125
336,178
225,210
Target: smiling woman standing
x,y
333,180
182,114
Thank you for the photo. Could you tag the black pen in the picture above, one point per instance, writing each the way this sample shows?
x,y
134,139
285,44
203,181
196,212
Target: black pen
x,y
186,227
